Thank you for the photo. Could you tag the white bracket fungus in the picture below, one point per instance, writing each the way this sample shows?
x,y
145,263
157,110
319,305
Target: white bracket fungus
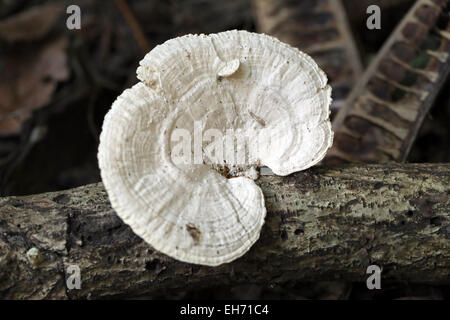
x,y
180,150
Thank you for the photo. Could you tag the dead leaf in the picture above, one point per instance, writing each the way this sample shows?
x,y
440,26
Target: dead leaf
x,y
31,24
28,80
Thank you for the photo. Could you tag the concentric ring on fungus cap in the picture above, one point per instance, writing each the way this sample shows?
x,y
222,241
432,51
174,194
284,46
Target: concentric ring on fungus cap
x,y
248,82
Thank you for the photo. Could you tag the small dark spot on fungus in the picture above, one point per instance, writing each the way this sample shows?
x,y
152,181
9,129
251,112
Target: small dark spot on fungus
x,y
299,232
257,119
193,232
409,213
224,171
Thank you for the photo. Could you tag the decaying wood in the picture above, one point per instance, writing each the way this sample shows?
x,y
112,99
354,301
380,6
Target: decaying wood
x,y
322,224
319,28
385,110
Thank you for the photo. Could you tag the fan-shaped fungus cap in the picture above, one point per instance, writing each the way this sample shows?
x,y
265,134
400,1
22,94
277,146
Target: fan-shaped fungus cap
x,y
186,199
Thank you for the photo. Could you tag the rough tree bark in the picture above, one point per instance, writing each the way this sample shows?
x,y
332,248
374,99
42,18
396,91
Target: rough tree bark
x,y
322,224
380,120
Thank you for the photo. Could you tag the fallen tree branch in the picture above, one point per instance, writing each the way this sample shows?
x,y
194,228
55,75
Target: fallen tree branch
x,y
322,224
